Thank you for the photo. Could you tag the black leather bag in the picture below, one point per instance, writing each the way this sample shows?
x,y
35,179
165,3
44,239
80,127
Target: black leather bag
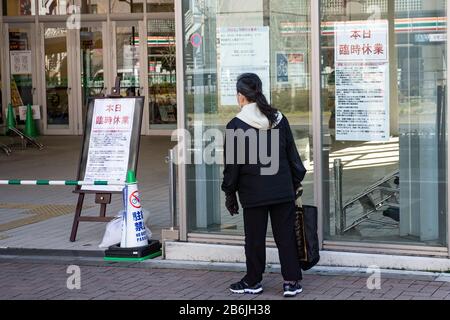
x,y
306,218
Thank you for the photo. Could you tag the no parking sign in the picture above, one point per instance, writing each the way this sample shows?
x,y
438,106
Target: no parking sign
x,y
134,200
196,40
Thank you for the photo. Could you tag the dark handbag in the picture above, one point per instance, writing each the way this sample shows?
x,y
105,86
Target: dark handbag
x,y
307,239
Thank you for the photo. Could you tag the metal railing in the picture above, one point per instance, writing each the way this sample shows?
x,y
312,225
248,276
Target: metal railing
x,y
381,196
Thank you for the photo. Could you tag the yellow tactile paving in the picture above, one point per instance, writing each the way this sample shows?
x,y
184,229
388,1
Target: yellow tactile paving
x,y
37,213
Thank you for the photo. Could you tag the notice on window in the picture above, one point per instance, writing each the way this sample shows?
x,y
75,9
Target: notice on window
x,y
362,81
35,110
242,50
21,62
291,69
130,57
109,143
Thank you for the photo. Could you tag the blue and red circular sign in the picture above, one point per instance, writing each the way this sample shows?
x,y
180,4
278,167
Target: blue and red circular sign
x,y
134,200
196,40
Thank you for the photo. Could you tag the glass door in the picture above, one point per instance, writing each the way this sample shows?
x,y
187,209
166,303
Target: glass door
x,y
128,57
92,61
2,70
57,66
128,60
161,59
20,48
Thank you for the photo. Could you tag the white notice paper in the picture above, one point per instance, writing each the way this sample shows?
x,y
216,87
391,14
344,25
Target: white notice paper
x,y
109,144
243,50
362,81
20,62
36,111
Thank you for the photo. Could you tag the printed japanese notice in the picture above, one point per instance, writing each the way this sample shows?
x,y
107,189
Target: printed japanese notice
x,y
362,81
20,62
242,50
35,110
109,143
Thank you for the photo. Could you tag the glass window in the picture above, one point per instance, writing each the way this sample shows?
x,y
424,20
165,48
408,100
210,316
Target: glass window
x,y
161,73
18,7
274,38
383,92
128,64
125,6
92,70
160,6
94,6
56,76
1,96
53,7
21,62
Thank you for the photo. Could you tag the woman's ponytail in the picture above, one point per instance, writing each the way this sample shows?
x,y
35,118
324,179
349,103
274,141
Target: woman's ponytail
x,y
266,109
250,86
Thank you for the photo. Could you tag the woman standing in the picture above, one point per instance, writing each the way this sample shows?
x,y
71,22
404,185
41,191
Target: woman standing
x,y
263,194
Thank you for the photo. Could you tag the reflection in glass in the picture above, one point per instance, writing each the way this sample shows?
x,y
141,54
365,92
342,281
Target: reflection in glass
x,y
18,7
21,68
53,7
161,73
128,59
94,6
160,6
133,6
56,80
384,118
1,100
210,101
92,72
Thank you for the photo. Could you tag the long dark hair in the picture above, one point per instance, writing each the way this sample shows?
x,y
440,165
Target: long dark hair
x,y
250,86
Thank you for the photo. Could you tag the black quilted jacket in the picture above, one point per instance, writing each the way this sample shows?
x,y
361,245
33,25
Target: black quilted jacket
x,y
246,178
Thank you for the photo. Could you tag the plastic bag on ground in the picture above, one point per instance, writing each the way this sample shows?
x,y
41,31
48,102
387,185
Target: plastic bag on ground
x,y
113,232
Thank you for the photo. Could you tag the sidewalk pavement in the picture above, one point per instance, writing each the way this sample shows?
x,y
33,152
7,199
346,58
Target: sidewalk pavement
x,y
41,217
46,279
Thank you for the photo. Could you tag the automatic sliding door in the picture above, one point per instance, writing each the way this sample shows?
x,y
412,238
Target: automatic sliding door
x,y
56,72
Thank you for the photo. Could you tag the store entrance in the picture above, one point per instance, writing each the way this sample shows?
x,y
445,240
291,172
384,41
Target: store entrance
x,y
58,67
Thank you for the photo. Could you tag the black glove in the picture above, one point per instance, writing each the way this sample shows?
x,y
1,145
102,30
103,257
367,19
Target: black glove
x,y
231,203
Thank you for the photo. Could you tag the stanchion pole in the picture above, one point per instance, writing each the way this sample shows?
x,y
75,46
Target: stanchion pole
x,y
171,234
338,209
172,189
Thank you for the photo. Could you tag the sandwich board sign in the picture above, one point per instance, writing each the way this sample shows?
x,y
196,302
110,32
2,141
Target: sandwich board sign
x,y
110,149
111,142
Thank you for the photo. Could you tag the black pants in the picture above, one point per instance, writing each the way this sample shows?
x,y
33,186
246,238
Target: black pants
x,y
282,217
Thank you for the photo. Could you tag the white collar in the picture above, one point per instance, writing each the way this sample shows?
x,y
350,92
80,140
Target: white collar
x,y
251,115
